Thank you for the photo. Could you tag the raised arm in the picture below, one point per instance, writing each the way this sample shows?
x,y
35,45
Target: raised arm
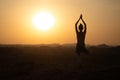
x,y
76,25
84,24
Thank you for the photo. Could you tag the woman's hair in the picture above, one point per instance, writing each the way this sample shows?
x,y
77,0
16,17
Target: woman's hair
x,y
80,27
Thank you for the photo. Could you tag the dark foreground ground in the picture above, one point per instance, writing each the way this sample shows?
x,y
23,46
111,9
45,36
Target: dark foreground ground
x,y
59,63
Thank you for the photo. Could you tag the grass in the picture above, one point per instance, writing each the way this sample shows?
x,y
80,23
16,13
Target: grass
x,y
58,63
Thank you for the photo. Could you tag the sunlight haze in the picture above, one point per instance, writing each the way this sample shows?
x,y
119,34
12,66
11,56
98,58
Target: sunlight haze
x,y
101,16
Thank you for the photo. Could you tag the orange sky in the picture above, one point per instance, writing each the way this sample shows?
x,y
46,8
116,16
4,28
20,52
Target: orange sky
x,y
102,18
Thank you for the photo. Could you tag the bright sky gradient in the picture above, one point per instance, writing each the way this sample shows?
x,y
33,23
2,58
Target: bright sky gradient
x,y
102,18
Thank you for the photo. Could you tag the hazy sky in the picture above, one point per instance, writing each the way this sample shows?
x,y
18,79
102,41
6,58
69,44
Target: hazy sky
x,y
102,18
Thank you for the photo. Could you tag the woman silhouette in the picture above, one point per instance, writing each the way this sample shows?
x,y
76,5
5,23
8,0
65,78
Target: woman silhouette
x,y
80,33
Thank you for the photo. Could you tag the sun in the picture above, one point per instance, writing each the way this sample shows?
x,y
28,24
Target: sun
x,y
43,21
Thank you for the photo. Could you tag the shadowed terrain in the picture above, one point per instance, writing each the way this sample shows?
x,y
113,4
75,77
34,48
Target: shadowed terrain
x,y
58,62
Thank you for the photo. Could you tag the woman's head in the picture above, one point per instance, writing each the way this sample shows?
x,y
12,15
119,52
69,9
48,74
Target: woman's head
x,y
80,27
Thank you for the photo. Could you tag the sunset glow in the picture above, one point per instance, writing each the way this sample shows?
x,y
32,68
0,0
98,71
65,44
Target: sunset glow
x,y
53,21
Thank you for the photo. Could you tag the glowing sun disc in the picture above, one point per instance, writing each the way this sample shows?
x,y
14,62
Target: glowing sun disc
x,y
43,21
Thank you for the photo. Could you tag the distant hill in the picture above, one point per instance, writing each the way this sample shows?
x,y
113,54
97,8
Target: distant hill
x,y
102,46
56,45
